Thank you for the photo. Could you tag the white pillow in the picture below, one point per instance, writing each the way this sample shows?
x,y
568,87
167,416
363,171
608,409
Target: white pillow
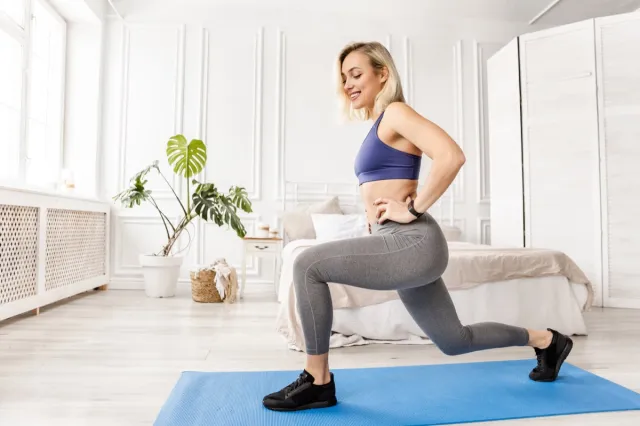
x,y
339,226
297,224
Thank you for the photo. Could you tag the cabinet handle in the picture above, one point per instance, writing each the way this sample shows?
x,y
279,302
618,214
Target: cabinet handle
x,y
261,247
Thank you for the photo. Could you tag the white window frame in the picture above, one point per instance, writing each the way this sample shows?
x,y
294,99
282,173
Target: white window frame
x,y
23,36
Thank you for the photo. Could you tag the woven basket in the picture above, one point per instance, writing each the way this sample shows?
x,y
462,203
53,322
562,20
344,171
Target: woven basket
x,y
203,287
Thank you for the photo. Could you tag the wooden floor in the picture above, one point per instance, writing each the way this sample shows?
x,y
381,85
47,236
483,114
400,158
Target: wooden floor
x,y
111,358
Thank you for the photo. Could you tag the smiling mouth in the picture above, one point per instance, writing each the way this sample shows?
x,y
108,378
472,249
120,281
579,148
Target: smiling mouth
x,y
354,96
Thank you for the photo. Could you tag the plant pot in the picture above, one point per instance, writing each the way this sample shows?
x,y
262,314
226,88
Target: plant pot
x,y
160,274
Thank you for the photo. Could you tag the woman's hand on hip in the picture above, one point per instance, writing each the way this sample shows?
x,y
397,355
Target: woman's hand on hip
x,y
387,209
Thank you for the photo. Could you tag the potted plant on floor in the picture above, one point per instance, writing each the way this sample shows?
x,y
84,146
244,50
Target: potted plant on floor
x,y
203,200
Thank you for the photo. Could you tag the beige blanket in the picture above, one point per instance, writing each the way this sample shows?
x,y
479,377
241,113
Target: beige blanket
x,y
469,265
226,280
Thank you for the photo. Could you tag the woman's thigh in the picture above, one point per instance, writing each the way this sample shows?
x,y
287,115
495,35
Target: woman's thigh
x,y
377,262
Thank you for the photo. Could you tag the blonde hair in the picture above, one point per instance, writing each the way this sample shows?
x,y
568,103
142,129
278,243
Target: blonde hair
x,y
379,58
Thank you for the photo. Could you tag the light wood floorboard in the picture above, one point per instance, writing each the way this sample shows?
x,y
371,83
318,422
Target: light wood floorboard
x,y
112,357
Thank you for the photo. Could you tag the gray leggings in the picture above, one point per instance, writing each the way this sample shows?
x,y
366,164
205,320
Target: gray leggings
x,y
409,258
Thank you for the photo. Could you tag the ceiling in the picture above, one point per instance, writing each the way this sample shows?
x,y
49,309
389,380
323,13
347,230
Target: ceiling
x,y
562,12
76,10
567,11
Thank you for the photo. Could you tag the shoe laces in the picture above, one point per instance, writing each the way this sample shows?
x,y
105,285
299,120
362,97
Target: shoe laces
x,y
301,380
540,358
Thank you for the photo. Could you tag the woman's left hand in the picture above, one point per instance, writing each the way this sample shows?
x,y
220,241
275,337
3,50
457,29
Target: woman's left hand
x,y
396,211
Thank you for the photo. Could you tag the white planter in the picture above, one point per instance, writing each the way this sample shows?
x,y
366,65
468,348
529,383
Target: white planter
x,y
160,274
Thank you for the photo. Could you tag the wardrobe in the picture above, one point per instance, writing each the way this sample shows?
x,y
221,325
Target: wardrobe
x,y
564,149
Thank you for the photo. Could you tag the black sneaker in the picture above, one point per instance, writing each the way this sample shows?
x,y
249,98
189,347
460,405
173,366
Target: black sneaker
x,y
551,358
302,395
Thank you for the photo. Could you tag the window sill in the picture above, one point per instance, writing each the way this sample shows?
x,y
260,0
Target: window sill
x,y
49,192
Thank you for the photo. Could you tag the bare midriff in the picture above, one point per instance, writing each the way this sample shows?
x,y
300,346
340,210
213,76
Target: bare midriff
x,y
393,189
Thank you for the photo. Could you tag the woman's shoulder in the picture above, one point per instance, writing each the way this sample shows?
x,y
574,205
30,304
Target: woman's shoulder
x,y
399,110
400,114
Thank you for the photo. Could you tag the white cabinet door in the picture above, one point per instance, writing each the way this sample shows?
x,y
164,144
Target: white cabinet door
x,y
560,144
618,61
505,147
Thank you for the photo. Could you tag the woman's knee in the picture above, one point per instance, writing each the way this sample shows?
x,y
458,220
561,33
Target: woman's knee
x,y
304,267
303,261
452,349
456,343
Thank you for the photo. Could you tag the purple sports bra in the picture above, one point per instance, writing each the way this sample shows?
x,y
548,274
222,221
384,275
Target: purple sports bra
x,y
378,161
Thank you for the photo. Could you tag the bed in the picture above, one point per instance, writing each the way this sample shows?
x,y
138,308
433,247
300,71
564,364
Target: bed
x,y
533,288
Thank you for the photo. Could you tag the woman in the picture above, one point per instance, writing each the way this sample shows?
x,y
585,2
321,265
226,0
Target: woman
x,y
407,250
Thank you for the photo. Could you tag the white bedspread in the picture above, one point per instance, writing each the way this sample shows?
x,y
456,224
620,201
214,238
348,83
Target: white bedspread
x,y
470,265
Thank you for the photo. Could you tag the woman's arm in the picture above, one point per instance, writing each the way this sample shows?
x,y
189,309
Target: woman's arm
x,y
447,157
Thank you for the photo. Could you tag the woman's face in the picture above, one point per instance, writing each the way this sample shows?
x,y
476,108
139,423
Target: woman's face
x,y
360,81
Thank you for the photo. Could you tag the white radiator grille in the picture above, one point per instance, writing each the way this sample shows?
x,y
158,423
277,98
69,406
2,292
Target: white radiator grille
x,y
76,245
52,247
18,252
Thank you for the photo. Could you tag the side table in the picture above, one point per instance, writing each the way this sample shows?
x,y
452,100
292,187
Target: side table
x,y
261,248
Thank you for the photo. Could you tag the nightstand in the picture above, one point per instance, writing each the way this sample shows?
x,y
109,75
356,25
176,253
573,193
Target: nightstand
x,y
261,248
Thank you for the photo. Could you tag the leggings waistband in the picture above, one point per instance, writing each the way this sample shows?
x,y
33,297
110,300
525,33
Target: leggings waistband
x,y
417,226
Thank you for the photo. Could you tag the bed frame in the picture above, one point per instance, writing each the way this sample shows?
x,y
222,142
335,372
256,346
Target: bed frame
x,y
504,302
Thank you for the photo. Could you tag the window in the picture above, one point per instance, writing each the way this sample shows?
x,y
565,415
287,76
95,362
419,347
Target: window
x,y
44,112
11,83
32,40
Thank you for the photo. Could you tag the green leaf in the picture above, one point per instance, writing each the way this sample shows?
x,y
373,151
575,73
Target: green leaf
x,y
240,198
136,193
211,205
187,159
133,196
205,203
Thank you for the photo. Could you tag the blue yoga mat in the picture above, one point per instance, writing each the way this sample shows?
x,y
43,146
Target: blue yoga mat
x,y
414,395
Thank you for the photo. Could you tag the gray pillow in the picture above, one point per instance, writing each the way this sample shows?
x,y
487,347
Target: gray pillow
x,y
298,225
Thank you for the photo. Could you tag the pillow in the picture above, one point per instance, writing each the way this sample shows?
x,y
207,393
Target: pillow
x,y
339,226
298,225
451,233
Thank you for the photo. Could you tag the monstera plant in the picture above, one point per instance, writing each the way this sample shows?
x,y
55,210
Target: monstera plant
x,y
203,200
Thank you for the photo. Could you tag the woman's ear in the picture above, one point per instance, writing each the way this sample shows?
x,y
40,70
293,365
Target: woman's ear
x,y
384,74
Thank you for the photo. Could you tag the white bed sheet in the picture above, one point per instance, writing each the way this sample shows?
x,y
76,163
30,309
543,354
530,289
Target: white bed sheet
x,y
557,305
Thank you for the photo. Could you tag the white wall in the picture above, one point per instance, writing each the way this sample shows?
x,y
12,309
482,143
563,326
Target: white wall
x,y
256,86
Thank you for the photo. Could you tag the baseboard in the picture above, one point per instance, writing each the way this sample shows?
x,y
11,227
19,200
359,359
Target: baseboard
x,y
119,283
621,303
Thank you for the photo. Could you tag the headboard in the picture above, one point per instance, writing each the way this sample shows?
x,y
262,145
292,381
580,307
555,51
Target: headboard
x,y
295,194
